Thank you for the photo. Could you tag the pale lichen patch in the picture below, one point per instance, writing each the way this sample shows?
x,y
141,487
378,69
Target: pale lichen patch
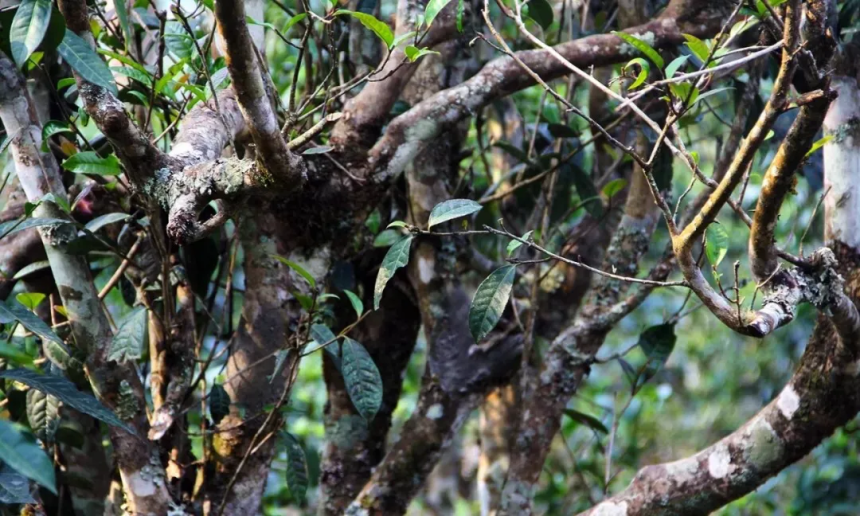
x,y
720,462
426,267
610,509
788,402
435,411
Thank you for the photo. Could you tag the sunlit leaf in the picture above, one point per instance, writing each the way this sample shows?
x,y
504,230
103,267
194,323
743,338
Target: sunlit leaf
x,y
819,144
452,209
89,162
675,65
31,300
370,22
413,53
612,188
643,47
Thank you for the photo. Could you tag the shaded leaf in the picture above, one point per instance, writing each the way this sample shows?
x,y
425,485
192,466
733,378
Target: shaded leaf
x,y
14,487
490,301
657,342
434,7
387,238
323,336
103,220
28,28
21,453
280,360
363,382
33,267
130,337
297,468
396,257
298,268
15,311
562,131
612,188
452,209
355,301
219,403
716,243
84,60
587,420
541,12
321,149
66,392
14,226
43,414
675,65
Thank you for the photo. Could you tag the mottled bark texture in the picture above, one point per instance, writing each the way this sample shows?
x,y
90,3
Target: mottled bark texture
x,y
143,477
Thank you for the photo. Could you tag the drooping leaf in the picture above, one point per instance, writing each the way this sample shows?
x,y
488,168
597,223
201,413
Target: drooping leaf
x,y
15,311
401,38
698,47
31,300
587,420
43,414
657,342
14,226
323,336
103,220
490,301
641,46
66,392
294,20
716,243
396,257
219,403
89,162
130,337
541,12
819,144
513,245
434,7
452,209
21,453
28,28
370,22
355,301
298,268
84,60
363,382
14,487
297,468
612,188
121,8
642,76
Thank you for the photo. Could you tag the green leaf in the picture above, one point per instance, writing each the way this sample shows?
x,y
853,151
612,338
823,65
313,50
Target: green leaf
x,y
66,392
28,28
299,270
387,238
641,46
434,7
128,343
294,20
698,47
370,22
280,360
219,403
14,355
102,221
644,70
322,149
363,382
21,453
14,487
685,92
716,243
819,144
612,188
323,336
43,414
675,65
357,305
30,299
121,8
413,53
657,342
14,226
461,11
78,54
89,162
562,131
398,224
452,209
396,257
587,420
16,311
144,78
401,38
490,301
513,150
373,221
297,468
541,12
53,127
513,245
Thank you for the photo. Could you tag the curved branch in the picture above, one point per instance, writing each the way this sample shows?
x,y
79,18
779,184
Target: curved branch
x,y
246,75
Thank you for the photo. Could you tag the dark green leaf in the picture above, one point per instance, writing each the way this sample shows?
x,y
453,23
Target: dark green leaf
x,y
21,453
128,343
514,151
43,414
541,12
396,257
30,269
716,243
387,238
612,188
562,131
363,382
84,60
14,226
657,342
297,468
587,420
323,336
121,8
219,403
490,301
452,209
28,28
16,311
89,162
67,393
